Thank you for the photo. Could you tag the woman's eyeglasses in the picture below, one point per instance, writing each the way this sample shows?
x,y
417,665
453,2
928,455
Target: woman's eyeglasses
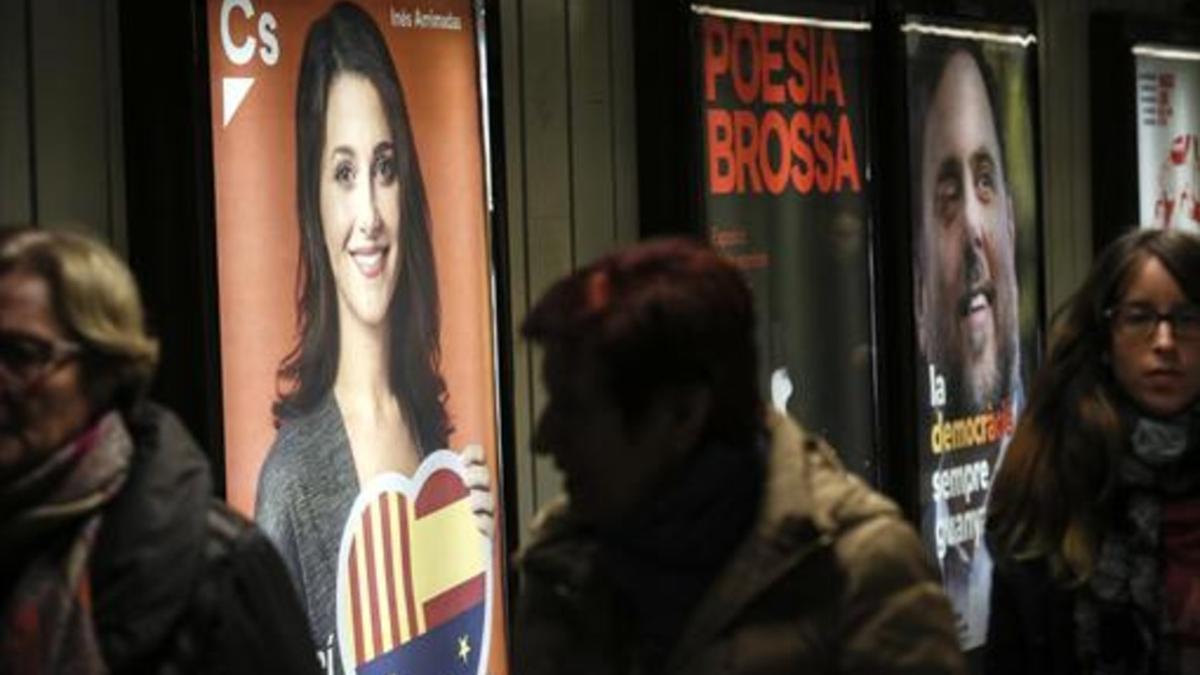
x,y
1141,320
28,357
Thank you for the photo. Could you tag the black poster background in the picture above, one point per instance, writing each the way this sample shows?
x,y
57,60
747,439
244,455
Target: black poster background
x,y
804,242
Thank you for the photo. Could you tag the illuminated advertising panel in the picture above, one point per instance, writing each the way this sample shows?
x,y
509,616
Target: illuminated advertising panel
x,y
974,202
356,322
1168,135
785,194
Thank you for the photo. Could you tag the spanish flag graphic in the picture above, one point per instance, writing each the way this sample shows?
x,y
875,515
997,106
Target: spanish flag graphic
x,y
414,576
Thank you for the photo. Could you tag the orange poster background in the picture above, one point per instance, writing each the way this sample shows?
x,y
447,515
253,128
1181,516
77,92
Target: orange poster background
x,y
257,227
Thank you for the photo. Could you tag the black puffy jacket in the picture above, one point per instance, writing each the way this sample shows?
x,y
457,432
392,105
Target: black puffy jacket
x,y
183,584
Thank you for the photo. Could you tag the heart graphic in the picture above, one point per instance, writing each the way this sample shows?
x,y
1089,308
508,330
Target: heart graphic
x,y
414,583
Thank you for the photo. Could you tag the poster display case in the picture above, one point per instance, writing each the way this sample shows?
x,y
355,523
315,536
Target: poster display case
x,y
762,109
358,327
785,194
969,196
1145,74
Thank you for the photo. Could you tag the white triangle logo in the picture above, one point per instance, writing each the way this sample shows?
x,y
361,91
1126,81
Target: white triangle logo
x,y
234,90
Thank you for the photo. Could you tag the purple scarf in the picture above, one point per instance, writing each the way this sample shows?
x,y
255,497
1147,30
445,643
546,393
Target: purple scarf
x,y
48,523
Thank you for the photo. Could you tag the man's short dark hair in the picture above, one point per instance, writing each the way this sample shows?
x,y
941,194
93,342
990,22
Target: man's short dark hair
x,y
668,312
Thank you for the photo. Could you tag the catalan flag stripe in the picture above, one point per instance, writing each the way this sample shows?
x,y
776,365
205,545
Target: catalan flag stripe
x,y
383,627
396,635
372,552
364,592
356,602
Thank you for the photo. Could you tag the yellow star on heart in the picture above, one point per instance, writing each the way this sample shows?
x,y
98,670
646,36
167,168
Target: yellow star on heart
x,y
464,648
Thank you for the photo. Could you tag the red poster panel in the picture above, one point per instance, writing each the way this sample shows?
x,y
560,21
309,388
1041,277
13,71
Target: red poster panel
x,y
357,328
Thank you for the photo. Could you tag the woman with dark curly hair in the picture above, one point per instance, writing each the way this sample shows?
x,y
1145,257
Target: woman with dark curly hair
x,y
1096,508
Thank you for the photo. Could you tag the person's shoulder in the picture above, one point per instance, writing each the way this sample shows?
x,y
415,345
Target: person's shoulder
x,y
868,531
158,432
864,526
244,599
886,549
234,542
558,546
553,525
808,478
229,533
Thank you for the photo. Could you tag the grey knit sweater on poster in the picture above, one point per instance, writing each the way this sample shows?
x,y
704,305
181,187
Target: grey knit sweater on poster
x,y
305,492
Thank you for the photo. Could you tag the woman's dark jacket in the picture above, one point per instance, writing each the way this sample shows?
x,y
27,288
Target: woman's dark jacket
x,y
181,583
1031,629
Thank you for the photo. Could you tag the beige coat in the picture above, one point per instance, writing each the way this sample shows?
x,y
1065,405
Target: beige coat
x,y
831,580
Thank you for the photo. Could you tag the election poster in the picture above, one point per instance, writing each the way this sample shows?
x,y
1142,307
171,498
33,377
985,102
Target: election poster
x,y
785,190
356,322
974,202
1167,93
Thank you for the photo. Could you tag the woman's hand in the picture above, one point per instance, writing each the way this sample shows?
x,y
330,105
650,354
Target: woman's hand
x,y
479,482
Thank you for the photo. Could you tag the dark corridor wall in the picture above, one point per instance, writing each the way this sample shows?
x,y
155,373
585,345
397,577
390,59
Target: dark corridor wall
x,y
169,200
100,132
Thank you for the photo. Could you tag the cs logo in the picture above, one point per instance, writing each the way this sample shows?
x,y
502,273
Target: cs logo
x,y
241,39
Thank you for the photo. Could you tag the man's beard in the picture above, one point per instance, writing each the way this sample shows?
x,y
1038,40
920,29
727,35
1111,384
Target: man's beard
x,y
973,388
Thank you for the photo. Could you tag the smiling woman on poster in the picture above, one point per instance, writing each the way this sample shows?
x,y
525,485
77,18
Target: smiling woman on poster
x,y
362,394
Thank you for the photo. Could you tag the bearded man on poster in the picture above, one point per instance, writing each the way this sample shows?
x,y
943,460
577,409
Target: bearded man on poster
x,y
965,305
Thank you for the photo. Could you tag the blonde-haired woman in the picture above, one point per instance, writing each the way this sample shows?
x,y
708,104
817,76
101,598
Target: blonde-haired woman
x,y
115,556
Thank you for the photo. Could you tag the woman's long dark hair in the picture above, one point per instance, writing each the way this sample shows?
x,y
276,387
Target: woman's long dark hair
x,y
1055,489
346,40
